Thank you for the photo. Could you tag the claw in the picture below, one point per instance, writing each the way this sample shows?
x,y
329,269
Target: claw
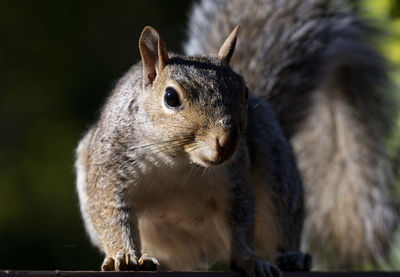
x,y
108,264
120,262
147,263
294,261
129,262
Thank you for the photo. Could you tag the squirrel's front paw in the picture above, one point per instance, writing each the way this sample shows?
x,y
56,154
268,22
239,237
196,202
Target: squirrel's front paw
x,y
147,263
129,262
256,267
122,261
294,261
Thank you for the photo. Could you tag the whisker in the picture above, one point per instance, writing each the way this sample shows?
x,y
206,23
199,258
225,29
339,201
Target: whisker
x,y
259,103
204,171
165,141
187,177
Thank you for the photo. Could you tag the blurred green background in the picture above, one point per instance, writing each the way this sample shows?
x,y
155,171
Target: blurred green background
x,y
59,60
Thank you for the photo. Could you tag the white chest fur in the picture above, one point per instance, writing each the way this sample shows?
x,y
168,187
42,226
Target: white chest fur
x,y
184,209
186,189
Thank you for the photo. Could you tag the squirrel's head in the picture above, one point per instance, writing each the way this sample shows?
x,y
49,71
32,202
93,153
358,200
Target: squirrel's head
x,y
197,104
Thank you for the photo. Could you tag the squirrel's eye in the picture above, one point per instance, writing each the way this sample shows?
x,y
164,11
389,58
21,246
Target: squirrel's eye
x,y
246,92
171,98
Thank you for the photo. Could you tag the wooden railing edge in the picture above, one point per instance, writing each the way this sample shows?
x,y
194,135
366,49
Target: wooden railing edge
x,y
61,273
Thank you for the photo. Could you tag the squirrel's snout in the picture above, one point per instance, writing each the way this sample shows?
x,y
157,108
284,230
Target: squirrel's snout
x,y
225,145
217,147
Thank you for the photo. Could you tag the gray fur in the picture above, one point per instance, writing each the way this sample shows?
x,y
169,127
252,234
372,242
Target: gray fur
x,y
310,59
144,186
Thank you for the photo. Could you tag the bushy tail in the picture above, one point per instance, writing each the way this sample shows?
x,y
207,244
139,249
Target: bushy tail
x,y
341,153
310,60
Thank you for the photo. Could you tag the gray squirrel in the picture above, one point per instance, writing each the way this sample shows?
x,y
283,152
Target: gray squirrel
x,y
307,60
312,61
184,167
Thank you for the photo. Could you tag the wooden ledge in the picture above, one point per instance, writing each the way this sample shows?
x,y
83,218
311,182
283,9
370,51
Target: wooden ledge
x,y
58,273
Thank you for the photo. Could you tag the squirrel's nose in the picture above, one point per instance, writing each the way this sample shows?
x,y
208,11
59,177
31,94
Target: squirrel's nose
x,y
220,148
225,144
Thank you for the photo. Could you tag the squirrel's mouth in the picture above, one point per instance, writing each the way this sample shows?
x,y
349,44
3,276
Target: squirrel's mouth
x,y
214,163
209,163
209,156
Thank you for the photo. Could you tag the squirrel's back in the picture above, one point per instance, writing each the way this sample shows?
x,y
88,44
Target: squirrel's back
x,y
313,63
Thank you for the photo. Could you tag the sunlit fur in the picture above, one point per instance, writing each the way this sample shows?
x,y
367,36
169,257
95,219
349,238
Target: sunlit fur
x,y
153,180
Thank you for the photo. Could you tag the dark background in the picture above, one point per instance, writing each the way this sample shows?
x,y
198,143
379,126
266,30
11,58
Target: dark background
x,y
58,61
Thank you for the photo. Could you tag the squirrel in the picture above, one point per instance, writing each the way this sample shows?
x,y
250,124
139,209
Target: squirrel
x,y
185,166
312,61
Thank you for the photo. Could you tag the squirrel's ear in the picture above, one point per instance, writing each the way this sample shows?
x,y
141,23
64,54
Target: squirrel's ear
x,y
154,54
226,51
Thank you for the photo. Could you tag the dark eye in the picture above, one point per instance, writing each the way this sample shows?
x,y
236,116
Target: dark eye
x,y
246,92
171,98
